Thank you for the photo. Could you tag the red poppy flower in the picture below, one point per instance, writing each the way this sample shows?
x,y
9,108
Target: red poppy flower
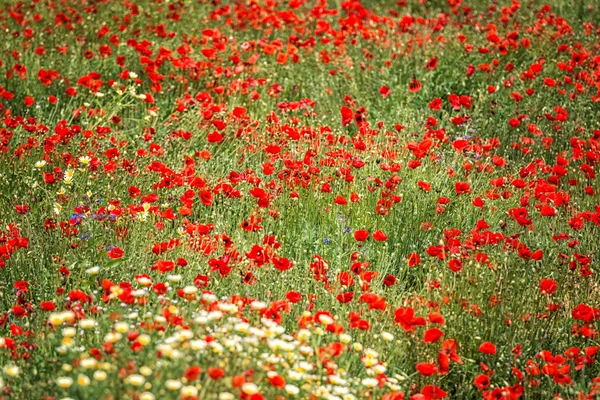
x,y
379,236
385,91
487,348
277,381
22,209
432,63
192,373
340,201
426,369
436,104
585,313
414,85
462,187
361,235
389,280
432,335
47,306
345,297
282,263
433,392
436,318
455,265
478,202
215,373
393,396
346,279
115,253
405,316
548,286
424,186
414,259
482,382
215,137
347,115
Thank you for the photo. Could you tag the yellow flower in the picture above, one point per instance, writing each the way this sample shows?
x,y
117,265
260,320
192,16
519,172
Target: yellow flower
x,y
68,316
69,332
303,335
190,289
371,353
249,388
11,370
369,361
69,176
379,369
88,363
370,382
87,324
64,382
100,376
291,389
172,384
121,327
258,305
83,380
189,391
56,319
112,337
325,319
136,380
144,339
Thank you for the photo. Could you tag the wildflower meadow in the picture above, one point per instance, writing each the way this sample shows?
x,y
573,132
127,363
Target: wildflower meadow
x,y
299,199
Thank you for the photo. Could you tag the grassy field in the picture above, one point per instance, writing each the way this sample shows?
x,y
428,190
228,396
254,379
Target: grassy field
x,y
267,199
